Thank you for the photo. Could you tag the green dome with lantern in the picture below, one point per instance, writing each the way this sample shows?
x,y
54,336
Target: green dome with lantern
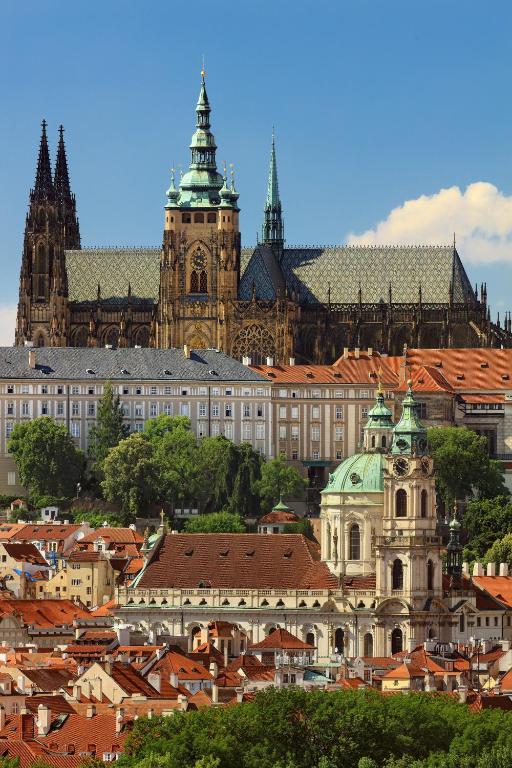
x,y
361,473
409,435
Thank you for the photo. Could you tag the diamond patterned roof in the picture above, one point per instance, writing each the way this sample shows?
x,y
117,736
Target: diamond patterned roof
x,y
113,269
310,272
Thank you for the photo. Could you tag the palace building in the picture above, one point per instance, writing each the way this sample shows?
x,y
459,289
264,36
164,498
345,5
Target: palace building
x,y
202,289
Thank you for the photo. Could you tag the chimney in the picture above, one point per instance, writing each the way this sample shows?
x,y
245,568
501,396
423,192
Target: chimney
x,y
463,694
214,668
270,362
182,701
150,713
186,351
239,695
465,568
356,353
32,358
77,692
478,569
119,719
43,720
90,711
370,351
503,569
505,645
2,717
215,693
226,655
246,360
173,679
292,361
491,569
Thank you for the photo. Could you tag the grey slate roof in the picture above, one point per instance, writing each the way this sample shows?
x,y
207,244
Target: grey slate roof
x,y
113,269
307,271
72,363
310,272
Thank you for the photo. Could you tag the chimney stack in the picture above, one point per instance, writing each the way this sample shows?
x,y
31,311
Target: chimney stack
x,y
246,360
463,694
186,351
270,362
491,569
356,353
32,358
215,693
345,353
173,679
292,361
2,717
90,711
119,719
370,351
503,569
182,701
478,569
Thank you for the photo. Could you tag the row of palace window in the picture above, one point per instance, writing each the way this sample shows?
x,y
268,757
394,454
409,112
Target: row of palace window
x,y
199,218
315,412
91,389
154,409
315,433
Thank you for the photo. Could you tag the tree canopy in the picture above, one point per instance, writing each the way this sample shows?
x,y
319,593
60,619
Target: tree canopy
x,y
48,462
215,522
485,521
109,429
131,475
293,728
463,466
279,479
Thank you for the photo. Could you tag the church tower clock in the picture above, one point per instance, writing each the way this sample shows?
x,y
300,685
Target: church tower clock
x,y
200,262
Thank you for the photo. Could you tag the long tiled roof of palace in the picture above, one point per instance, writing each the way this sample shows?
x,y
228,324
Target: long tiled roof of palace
x,y
125,364
313,274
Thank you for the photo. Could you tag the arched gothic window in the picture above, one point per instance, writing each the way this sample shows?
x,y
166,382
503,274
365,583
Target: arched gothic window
x,y
194,282
80,337
430,575
112,336
397,577
355,542
397,641
40,341
401,503
383,441
424,504
373,441
142,337
203,282
368,644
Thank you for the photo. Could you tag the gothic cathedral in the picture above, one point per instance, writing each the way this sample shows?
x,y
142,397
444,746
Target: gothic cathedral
x,y
202,289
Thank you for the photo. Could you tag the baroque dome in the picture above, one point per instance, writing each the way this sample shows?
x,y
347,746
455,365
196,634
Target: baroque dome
x,y
360,473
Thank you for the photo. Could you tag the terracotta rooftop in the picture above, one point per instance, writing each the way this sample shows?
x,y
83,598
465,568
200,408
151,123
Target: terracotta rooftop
x,y
106,609
27,553
278,516
114,536
236,560
281,639
499,587
44,614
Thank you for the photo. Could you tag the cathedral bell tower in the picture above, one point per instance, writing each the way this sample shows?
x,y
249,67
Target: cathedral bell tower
x,y
200,262
408,552
51,226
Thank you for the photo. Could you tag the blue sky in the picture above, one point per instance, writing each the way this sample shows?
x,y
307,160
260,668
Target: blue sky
x,y
374,103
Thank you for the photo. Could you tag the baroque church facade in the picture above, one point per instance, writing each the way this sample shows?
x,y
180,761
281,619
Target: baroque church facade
x,y
202,289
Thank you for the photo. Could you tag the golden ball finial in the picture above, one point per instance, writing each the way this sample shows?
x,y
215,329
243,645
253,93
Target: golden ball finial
x,y
409,383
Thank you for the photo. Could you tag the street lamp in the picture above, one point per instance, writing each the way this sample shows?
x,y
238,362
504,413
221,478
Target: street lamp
x,y
78,489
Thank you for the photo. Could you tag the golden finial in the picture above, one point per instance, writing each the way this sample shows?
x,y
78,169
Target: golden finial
x,y
380,390
203,71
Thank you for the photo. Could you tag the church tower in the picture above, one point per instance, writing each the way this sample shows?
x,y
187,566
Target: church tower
x,y
51,226
200,262
273,227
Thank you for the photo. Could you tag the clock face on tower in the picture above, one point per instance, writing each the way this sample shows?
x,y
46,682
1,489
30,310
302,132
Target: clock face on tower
x,y
400,467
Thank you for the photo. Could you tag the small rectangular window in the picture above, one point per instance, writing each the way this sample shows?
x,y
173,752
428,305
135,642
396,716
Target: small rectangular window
x,y
315,412
60,409
282,432
44,409
60,389
259,410
315,433
153,410
10,409
339,412
202,410
184,409
152,390
228,410
228,430
260,431
11,478
75,390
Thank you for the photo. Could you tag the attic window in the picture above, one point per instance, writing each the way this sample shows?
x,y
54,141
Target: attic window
x,y
505,376
90,370
271,375
460,376
337,375
125,372
224,552
213,373
189,552
287,553
310,375
438,364
484,365
167,372
250,552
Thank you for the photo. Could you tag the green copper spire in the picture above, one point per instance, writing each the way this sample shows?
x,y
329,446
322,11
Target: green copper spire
x,y
454,547
409,435
379,417
200,186
273,229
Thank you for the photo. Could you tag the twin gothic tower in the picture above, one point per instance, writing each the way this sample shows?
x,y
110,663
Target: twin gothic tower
x,y
202,289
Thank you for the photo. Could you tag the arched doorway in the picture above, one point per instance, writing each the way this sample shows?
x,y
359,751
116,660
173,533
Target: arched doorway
x,y
397,641
339,641
368,645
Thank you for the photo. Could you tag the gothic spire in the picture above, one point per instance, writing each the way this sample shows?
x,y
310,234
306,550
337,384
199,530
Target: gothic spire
x,y
61,178
44,185
273,229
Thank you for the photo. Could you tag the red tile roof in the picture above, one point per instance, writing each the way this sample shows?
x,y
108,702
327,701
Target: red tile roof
x,y
278,516
281,639
107,609
45,613
27,553
237,560
114,536
131,681
185,668
45,532
499,587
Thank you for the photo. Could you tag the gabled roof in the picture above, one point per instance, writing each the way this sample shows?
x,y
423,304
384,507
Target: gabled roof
x,y
404,672
45,532
113,536
234,560
131,681
48,680
282,640
498,587
26,553
44,614
185,668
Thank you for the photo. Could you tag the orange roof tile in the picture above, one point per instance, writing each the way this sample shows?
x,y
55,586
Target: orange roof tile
x,y
499,587
404,672
45,613
107,609
241,560
281,639
114,536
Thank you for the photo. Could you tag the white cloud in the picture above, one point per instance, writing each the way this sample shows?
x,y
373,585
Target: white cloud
x,y
7,324
480,217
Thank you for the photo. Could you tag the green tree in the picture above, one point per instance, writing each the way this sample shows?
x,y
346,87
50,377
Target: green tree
x,y
501,551
131,475
279,479
218,461
215,522
463,466
176,455
96,517
485,521
48,461
109,429
245,497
